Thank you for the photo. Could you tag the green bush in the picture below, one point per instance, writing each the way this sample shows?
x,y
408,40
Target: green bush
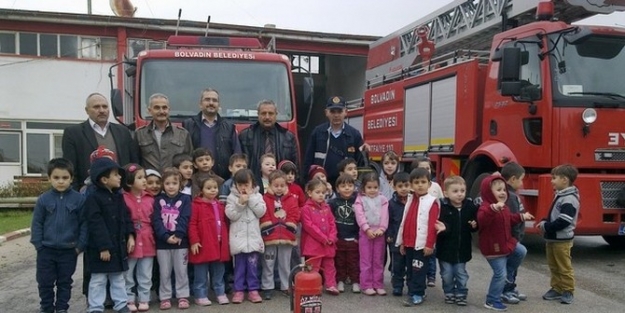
x,y
24,189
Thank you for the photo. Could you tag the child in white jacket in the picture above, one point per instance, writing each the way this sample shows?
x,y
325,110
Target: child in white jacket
x,y
244,208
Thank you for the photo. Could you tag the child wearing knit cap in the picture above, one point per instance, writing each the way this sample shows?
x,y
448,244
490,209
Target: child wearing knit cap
x,y
317,171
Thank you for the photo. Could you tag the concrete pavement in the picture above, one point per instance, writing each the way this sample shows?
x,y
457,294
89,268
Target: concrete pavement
x,y
600,272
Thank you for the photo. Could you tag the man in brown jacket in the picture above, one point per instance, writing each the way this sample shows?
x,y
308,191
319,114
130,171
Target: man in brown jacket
x,y
159,141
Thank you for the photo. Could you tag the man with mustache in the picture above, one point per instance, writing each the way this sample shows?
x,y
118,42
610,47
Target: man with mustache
x,y
160,140
82,139
267,136
209,130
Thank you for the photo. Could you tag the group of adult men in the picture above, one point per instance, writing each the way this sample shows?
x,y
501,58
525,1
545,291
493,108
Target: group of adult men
x,y
155,144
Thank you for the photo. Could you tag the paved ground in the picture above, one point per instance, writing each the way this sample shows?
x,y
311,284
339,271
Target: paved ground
x,y
600,273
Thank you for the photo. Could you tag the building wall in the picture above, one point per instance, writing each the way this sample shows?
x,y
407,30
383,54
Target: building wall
x,y
40,89
38,99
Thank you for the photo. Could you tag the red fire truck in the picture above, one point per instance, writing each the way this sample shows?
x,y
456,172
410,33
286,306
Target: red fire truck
x,y
545,93
241,69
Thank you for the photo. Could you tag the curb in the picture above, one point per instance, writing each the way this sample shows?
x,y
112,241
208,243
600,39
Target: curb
x,y
14,235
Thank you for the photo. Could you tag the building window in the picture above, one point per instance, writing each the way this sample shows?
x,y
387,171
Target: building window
x,y
28,44
10,147
137,45
37,153
89,48
69,46
305,64
7,43
48,45
58,145
108,48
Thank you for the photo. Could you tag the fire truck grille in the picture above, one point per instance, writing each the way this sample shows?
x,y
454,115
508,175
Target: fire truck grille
x,y
609,193
606,155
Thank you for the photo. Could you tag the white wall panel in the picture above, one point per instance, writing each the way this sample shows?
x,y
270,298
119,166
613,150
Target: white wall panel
x,y
40,89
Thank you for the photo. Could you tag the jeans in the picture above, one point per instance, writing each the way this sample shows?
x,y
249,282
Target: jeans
x,y
432,266
55,267
455,278
205,272
97,291
399,271
143,268
503,270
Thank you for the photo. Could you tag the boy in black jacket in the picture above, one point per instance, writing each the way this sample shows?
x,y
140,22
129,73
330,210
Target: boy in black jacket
x,y
347,256
513,173
453,245
401,184
111,236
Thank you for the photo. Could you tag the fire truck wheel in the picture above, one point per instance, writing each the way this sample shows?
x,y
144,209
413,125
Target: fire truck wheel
x,y
474,190
615,241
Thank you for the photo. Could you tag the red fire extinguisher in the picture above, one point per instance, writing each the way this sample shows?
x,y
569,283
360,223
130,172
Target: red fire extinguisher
x,y
306,288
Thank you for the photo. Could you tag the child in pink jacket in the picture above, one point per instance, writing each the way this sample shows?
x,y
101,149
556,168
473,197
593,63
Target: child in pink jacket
x,y
371,209
319,234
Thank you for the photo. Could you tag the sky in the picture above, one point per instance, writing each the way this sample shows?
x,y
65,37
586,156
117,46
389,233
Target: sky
x,y
361,17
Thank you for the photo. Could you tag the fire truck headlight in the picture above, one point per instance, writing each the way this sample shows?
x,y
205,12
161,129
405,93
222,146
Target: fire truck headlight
x,y
589,116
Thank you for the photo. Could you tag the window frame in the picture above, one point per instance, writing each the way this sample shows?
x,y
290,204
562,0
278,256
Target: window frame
x,y
20,147
51,153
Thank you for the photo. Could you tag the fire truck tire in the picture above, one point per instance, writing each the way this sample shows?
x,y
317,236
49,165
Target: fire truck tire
x,y
474,191
615,241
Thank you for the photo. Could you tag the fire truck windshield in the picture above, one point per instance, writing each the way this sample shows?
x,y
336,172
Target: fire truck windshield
x,y
588,73
241,85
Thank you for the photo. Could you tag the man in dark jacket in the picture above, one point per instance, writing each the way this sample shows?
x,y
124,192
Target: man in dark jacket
x,y
334,141
209,130
267,136
82,139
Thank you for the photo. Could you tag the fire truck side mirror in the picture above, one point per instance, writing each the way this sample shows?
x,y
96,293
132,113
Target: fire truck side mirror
x,y
510,71
117,102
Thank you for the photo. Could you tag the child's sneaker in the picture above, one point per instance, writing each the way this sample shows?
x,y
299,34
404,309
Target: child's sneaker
x,y
254,297
222,299
381,291
431,282
165,305
413,300
267,294
397,292
461,301
203,302
122,310
341,286
143,307
183,304
333,291
131,306
567,298
238,297
508,297
552,295
450,299
369,292
356,288
518,295
495,306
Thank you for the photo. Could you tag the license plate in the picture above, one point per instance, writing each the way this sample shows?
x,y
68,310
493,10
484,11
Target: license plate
x,y
621,229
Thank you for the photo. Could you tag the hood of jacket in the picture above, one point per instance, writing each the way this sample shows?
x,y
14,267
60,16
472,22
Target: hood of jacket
x,y
567,191
485,191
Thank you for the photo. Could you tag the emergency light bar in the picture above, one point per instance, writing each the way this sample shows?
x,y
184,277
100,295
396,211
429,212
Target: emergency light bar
x,y
214,42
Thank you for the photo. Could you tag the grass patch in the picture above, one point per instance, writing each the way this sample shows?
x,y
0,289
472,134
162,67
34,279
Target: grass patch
x,y
11,220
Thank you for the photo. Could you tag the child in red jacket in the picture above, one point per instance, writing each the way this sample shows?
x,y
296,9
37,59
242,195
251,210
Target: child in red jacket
x,y
208,236
319,234
501,250
290,169
278,227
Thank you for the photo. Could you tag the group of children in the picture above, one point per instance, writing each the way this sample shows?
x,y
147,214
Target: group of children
x,y
259,222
